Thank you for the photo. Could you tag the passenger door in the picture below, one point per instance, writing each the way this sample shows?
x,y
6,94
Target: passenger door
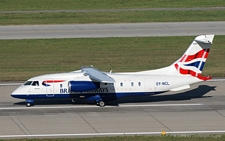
x,y
49,87
149,86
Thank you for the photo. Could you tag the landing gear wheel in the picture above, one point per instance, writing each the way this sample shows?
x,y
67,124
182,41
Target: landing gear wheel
x,y
101,103
73,100
28,104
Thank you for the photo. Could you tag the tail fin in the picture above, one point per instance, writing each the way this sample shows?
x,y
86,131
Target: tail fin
x,y
193,60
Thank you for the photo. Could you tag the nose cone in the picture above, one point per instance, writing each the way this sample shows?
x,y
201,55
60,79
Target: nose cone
x,y
14,93
17,93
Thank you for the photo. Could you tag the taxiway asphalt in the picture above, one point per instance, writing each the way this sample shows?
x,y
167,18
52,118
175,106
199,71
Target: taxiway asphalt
x,y
115,10
200,109
111,30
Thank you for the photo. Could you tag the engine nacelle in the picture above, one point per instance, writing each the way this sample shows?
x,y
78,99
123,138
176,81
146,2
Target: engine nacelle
x,y
82,86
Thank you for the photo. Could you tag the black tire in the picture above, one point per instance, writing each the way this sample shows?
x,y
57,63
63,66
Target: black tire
x,y
101,103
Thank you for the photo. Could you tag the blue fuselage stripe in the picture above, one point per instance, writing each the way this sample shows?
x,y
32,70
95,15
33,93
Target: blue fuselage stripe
x,y
88,97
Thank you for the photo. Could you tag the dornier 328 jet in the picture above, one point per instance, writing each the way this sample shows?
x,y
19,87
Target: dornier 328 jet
x,y
92,85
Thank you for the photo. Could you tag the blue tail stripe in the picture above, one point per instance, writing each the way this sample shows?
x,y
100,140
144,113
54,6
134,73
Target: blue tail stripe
x,y
201,68
195,64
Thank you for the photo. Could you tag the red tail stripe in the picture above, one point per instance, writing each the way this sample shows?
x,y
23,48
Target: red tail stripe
x,y
197,55
207,53
183,57
204,77
192,73
176,66
183,71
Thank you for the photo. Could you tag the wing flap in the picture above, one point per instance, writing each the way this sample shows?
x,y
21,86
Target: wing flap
x,y
97,75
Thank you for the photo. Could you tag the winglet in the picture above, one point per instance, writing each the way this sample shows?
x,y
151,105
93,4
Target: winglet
x,y
97,75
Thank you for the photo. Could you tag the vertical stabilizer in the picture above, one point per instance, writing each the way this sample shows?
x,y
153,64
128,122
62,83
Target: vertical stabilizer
x,y
193,60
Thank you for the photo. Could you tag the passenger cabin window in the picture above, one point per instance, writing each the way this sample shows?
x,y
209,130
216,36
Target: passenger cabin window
x,y
132,83
35,83
27,83
121,84
139,83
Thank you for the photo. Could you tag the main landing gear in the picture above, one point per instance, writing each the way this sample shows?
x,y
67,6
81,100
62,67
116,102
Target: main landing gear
x,y
73,100
101,103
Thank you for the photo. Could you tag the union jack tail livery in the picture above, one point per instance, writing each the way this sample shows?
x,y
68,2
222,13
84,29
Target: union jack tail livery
x,y
193,60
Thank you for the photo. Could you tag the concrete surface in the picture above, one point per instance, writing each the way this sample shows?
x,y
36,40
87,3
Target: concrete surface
x,y
200,109
111,30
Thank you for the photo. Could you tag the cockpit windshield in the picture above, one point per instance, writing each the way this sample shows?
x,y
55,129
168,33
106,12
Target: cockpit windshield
x,y
27,83
32,83
35,83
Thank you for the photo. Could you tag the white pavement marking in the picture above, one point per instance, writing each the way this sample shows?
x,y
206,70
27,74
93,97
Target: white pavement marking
x,y
93,106
112,134
161,105
55,107
216,80
10,84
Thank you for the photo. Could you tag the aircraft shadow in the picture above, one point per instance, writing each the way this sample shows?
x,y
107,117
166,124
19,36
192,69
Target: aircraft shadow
x,y
47,102
187,95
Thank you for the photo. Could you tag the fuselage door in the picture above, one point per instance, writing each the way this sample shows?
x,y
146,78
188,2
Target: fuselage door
x,y
112,88
49,84
149,86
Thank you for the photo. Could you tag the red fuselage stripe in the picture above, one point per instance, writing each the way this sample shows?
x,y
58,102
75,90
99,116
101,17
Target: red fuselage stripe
x,y
53,81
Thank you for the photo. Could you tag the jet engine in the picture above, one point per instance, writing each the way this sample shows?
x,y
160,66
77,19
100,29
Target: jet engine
x,y
82,86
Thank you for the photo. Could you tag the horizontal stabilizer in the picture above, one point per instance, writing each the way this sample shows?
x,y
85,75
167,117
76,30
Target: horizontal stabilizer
x,y
181,88
207,39
97,75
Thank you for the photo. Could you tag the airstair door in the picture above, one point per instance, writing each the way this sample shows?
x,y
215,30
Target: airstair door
x,y
49,83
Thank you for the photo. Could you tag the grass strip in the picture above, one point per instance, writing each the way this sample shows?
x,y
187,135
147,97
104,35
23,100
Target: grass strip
x,y
22,59
100,4
111,17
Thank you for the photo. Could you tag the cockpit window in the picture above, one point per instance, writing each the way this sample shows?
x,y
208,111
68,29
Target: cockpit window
x,y
27,83
35,83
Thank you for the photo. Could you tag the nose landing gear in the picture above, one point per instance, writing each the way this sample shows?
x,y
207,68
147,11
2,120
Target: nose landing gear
x,y
29,102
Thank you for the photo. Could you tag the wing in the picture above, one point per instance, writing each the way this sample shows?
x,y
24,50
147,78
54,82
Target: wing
x,y
97,75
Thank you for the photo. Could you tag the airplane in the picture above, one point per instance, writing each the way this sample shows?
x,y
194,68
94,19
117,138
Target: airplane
x,y
91,85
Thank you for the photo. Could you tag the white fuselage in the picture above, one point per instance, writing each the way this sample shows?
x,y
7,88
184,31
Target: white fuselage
x,y
126,84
